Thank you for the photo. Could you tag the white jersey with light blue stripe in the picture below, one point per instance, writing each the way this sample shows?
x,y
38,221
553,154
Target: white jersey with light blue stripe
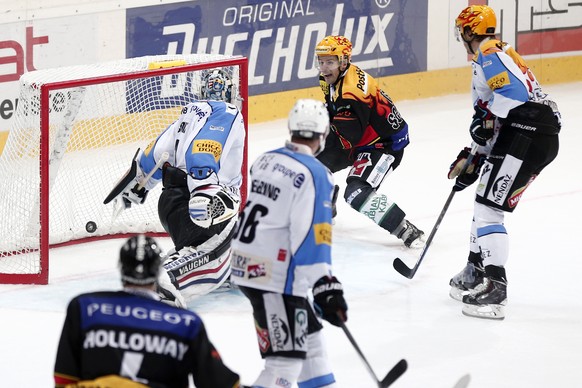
x,y
283,242
502,78
207,142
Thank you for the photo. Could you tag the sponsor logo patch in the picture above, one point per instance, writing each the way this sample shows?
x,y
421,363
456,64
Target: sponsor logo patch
x,y
262,338
256,270
207,147
322,233
499,80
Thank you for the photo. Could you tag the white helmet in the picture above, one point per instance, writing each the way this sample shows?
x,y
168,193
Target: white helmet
x,y
217,85
309,119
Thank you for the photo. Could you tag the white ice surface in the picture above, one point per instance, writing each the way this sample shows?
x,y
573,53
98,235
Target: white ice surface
x,y
539,344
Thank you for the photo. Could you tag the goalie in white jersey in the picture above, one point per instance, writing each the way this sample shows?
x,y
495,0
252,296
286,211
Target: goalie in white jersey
x,y
201,196
282,248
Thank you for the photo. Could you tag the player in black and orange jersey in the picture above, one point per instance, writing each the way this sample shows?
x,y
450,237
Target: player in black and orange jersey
x,y
367,134
130,339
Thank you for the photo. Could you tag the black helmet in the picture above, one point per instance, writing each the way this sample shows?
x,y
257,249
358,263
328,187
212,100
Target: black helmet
x,y
140,260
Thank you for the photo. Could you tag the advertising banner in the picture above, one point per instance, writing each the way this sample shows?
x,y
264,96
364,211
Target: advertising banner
x,y
279,37
540,26
43,44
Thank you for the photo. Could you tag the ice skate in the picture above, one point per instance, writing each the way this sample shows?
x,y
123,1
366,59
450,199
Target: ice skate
x,y
466,280
487,300
412,236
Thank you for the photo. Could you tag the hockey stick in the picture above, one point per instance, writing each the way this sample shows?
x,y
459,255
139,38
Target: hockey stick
x,y
394,373
118,208
398,264
163,158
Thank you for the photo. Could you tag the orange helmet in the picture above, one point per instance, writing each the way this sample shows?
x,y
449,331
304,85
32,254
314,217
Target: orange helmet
x,y
480,19
337,45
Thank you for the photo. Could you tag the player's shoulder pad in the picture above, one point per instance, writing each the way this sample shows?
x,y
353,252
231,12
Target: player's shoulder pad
x,y
492,46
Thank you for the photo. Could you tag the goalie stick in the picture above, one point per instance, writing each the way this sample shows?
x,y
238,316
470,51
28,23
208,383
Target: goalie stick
x,y
394,373
398,264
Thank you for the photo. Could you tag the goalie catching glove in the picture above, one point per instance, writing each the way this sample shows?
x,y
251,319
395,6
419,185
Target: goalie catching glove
x,y
468,176
212,204
329,302
483,123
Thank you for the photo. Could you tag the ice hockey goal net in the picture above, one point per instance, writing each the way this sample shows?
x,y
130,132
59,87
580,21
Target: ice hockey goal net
x,y
75,132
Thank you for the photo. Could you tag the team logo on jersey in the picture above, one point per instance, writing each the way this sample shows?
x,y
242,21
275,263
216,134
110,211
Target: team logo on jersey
x,y
499,80
207,147
322,233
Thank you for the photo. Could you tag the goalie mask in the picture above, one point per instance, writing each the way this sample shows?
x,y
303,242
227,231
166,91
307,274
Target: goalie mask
x,y
309,119
217,85
140,260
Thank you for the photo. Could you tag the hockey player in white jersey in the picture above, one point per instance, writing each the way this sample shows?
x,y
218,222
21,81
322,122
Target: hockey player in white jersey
x,y
201,195
516,126
282,249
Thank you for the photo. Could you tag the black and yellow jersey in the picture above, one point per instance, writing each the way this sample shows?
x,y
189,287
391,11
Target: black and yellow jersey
x,y
362,114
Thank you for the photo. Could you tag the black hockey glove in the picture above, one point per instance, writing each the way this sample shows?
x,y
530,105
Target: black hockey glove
x,y
482,125
134,195
471,174
328,297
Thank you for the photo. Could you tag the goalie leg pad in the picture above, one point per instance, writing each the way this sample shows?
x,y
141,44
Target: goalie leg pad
x,y
168,291
198,271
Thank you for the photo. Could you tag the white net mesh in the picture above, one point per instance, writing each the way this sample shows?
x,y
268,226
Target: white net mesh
x,y
94,131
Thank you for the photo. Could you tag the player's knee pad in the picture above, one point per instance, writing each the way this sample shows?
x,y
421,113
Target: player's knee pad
x,y
279,372
360,196
357,192
316,366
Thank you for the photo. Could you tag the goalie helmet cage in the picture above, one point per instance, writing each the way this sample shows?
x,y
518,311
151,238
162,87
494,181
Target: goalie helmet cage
x,y
75,132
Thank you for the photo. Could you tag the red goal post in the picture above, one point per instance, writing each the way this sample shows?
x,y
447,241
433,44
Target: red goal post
x,y
75,131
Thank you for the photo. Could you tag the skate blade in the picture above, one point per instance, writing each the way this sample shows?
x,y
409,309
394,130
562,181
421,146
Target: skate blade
x,y
489,311
457,294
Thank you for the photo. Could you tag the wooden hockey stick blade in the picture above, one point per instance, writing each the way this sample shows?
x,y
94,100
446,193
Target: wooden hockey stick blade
x,y
397,371
403,269
463,381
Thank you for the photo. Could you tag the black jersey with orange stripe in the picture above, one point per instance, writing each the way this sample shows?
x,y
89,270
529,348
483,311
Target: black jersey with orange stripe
x,y
362,114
